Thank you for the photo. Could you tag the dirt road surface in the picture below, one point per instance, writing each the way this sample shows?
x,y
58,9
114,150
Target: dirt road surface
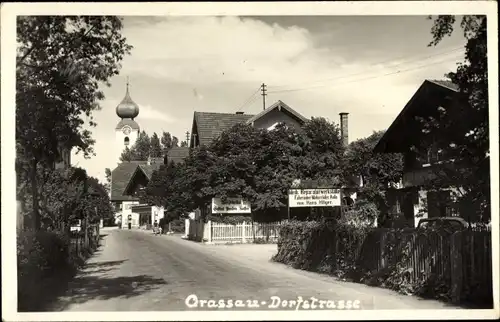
x,y
136,271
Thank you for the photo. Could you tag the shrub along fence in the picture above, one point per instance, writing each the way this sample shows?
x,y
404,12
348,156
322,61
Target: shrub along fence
x,y
437,264
45,258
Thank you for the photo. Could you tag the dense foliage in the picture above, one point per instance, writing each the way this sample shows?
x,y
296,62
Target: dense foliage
x,y
380,257
255,164
376,171
61,63
146,147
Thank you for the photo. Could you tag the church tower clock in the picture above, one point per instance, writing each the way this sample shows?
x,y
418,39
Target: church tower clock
x,y
127,130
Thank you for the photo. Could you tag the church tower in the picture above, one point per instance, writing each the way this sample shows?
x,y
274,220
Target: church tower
x,y
127,130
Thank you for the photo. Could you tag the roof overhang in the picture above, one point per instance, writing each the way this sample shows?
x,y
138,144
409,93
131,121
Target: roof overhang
x,y
282,107
405,129
129,186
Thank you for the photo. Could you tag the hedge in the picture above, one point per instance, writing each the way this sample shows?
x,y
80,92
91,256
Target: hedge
x,y
43,260
347,251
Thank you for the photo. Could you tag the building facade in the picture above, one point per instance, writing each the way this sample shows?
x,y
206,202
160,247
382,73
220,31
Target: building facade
x,y
412,200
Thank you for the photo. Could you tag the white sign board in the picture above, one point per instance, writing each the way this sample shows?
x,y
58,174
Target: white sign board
x,y
232,206
313,198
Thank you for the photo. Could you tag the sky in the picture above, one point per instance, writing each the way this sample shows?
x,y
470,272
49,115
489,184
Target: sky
x,y
367,66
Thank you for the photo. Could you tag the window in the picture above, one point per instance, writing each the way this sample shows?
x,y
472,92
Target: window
x,y
431,155
126,141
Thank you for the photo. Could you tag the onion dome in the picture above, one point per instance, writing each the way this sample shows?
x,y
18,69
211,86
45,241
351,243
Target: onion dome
x,y
127,109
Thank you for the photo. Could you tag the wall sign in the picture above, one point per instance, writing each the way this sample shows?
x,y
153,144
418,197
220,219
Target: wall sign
x,y
313,198
232,206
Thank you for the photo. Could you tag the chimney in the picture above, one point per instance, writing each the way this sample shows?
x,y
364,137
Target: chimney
x,y
239,113
344,128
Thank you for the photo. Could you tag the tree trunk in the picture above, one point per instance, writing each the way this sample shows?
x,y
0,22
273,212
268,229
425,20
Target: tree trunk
x,y
34,191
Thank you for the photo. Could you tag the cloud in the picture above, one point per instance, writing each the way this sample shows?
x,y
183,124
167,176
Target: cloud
x,y
147,112
185,64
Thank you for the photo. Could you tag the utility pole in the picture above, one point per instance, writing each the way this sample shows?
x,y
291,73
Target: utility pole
x,y
263,88
187,138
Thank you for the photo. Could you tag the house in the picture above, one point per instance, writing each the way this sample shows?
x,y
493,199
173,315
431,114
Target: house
x,y
208,125
404,133
128,180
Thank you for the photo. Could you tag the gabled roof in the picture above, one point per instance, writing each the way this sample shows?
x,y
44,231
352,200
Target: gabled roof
x,y
445,83
210,125
120,178
425,102
177,154
282,107
146,169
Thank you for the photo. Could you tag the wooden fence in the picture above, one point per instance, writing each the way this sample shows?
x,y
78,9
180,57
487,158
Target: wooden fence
x,y
462,260
81,244
216,232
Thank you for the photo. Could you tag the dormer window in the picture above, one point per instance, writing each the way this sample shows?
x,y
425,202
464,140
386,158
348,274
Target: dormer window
x,y
126,141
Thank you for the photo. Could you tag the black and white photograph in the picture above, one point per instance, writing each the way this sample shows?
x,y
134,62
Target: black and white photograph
x,y
250,161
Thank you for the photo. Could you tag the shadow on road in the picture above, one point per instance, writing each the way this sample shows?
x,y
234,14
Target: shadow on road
x,y
86,288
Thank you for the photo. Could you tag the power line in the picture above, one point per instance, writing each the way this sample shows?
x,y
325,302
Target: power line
x,y
364,72
362,79
249,99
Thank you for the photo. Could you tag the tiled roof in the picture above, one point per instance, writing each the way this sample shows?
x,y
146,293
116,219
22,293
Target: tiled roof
x,y
120,178
211,125
278,104
149,168
445,83
177,154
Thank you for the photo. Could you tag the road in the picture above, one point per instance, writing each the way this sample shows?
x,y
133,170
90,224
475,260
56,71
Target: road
x,y
136,271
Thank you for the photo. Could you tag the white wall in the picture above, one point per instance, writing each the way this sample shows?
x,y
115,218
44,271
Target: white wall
x,y
120,142
156,214
126,211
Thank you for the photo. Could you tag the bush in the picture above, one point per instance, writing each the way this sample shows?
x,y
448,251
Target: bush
x,y
40,255
326,246
354,253
178,225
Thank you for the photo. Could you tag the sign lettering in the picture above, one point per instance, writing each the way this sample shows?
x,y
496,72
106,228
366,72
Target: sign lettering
x,y
232,206
313,198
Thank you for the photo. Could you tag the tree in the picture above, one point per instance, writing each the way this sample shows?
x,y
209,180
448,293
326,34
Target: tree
x,y
324,148
254,164
184,144
168,141
107,173
141,148
462,130
378,172
126,155
140,151
155,148
61,60
380,169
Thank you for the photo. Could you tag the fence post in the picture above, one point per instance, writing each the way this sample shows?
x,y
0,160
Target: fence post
x,y
243,232
456,266
209,231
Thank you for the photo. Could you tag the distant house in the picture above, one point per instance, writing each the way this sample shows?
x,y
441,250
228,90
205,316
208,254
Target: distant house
x,y
129,179
209,125
419,167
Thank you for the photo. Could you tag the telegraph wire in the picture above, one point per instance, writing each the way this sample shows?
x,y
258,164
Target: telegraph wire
x,y
359,80
275,88
250,99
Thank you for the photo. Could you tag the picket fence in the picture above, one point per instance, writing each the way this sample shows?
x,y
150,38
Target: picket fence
x,y
245,232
